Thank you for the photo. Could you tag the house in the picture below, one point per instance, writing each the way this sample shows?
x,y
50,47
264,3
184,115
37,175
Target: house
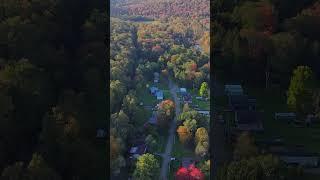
x,y
248,121
183,91
299,158
186,162
156,77
153,90
159,95
101,133
288,117
205,113
238,102
233,89
138,150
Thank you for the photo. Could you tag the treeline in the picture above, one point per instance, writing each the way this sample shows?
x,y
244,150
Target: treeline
x,y
162,9
124,108
52,89
250,162
263,41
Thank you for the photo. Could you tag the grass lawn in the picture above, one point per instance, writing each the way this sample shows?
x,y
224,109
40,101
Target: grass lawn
x,y
174,166
167,94
142,116
163,138
275,101
180,151
203,105
147,98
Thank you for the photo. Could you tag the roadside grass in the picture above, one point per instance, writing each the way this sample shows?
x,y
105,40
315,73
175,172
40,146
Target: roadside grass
x,y
202,104
163,138
273,101
167,94
180,150
159,158
174,166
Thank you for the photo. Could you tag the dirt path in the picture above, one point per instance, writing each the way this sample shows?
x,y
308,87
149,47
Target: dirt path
x,y
167,154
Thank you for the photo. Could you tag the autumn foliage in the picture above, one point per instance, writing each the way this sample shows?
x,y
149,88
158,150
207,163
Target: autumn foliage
x,y
190,173
165,112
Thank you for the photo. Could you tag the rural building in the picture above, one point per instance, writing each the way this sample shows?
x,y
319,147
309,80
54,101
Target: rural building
x,y
299,158
153,90
233,89
206,113
248,121
159,95
287,117
156,77
187,98
138,150
183,91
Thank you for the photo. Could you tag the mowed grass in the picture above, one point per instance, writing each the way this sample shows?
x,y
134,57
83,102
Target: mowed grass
x,y
273,101
202,104
174,166
179,151
146,97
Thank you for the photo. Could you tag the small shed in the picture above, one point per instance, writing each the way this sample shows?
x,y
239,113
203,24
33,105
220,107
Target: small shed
x,y
206,113
289,116
183,90
153,90
156,75
137,151
159,95
231,89
300,158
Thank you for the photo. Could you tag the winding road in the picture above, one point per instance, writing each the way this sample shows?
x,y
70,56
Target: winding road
x,y
167,154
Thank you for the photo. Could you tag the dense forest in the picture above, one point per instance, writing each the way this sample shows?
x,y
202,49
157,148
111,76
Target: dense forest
x,y
52,89
271,48
145,40
263,41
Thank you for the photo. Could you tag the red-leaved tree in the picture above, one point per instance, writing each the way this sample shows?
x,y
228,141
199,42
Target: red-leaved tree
x,y
192,173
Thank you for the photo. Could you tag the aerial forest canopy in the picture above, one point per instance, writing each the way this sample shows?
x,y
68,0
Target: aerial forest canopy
x,y
263,41
168,38
52,89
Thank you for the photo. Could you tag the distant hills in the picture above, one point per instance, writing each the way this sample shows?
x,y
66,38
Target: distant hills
x,y
162,9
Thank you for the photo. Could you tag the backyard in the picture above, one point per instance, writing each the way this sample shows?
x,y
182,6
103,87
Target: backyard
x,y
274,100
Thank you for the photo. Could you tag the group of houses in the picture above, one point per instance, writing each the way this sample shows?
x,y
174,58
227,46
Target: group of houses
x,y
185,96
291,155
246,117
158,93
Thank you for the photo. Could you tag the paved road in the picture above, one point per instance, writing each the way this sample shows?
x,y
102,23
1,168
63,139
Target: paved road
x,y
167,154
